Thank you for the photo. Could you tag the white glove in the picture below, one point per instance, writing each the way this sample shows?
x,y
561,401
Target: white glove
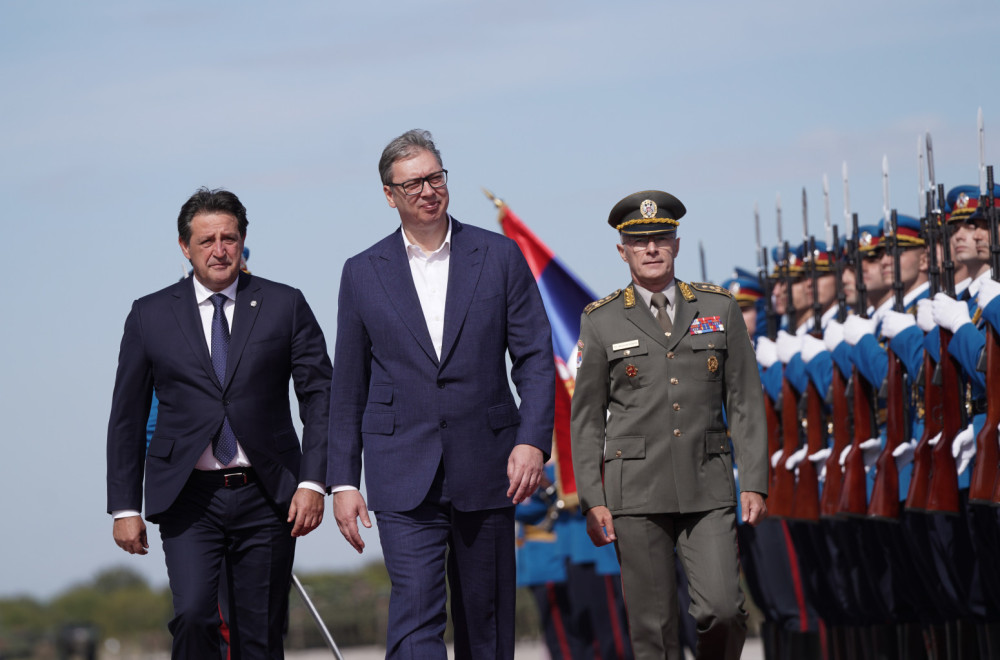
x,y
987,292
871,448
933,441
925,314
964,448
904,453
797,457
895,322
833,335
819,460
776,458
767,353
811,347
788,346
856,327
949,313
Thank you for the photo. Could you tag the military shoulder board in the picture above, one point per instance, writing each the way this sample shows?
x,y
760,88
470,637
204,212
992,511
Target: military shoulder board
x,y
603,301
711,288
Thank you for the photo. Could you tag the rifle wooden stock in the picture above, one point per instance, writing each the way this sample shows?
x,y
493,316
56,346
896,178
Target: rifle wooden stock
x,y
943,494
806,504
920,478
984,473
784,479
773,438
832,488
854,495
885,494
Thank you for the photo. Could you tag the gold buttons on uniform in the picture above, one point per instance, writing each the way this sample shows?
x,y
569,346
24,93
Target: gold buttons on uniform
x,y
627,353
618,454
677,406
677,432
670,355
711,345
674,381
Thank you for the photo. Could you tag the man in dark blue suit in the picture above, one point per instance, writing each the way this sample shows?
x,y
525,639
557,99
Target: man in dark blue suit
x,y
426,317
225,477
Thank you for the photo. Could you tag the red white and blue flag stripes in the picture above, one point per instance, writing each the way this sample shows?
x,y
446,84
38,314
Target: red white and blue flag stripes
x,y
564,297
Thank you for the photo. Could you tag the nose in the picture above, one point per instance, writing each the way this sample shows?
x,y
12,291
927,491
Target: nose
x,y
218,249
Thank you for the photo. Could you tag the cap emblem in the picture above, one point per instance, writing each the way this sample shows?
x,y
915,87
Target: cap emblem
x,y
648,208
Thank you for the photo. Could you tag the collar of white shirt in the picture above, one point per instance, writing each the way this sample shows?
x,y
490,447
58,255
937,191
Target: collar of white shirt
x,y
203,293
414,250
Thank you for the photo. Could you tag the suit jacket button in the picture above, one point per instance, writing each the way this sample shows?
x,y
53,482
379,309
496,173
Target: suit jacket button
x,y
440,386
677,432
444,424
677,406
225,402
670,355
674,381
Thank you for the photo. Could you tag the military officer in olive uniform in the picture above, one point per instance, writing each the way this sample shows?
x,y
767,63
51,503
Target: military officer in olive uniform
x,y
662,365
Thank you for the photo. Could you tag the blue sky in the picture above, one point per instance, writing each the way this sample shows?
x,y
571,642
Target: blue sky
x,y
113,112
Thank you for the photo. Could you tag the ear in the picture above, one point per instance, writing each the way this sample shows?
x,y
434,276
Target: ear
x,y
184,248
621,252
924,263
677,246
388,196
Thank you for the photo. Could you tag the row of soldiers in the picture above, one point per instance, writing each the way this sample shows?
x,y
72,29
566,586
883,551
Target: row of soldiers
x,y
881,369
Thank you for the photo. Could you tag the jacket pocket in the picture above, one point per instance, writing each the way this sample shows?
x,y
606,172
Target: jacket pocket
x,y
380,423
160,447
716,442
380,394
623,461
504,415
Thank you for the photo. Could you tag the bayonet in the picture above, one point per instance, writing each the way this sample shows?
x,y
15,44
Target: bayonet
x,y
847,196
701,254
921,190
931,179
805,217
827,226
982,155
781,239
885,192
756,230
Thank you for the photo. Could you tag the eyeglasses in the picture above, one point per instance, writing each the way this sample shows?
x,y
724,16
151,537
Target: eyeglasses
x,y
640,243
412,187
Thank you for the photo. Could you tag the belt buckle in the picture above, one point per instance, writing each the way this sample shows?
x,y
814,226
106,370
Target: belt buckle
x,y
238,479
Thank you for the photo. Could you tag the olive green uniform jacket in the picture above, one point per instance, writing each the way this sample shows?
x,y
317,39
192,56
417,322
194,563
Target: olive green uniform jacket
x,y
657,401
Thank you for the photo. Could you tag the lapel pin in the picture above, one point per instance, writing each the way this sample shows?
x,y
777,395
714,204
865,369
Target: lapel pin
x,y
253,303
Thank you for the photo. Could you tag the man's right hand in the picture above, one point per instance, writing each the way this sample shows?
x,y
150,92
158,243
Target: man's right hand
x,y
130,535
348,506
600,526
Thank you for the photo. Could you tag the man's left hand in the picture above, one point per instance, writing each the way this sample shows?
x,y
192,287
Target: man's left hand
x,y
753,507
524,469
306,510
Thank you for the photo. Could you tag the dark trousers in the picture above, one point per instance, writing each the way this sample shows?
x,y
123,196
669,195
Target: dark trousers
x,y
205,525
476,550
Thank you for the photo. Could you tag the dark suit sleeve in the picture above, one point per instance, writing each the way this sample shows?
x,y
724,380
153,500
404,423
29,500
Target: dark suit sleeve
x,y
130,403
529,342
745,405
349,392
311,374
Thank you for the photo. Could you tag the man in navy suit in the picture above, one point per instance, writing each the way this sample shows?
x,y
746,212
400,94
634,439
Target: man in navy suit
x,y
426,317
225,477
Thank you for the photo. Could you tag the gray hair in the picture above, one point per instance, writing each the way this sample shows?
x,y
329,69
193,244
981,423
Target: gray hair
x,y
405,146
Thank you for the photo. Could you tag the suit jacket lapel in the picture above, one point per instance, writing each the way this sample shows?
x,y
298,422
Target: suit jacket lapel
x,y
640,315
684,313
249,299
393,270
464,267
189,321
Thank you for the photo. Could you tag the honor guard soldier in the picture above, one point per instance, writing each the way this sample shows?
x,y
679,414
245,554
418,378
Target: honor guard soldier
x,y
660,361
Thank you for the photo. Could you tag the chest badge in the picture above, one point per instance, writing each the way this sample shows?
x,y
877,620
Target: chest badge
x,y
631,371
713,364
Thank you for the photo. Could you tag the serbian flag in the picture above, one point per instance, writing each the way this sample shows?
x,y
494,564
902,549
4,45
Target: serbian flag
x,y
564,297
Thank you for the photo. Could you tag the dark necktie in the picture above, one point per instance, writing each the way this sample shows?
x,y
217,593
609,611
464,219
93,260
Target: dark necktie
x,y
660,303
224,445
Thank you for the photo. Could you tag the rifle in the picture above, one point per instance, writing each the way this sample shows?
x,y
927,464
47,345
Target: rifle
x,y
885,494
920,478
985,486
784,479
770,411
942,495
806,504
841,410
854,493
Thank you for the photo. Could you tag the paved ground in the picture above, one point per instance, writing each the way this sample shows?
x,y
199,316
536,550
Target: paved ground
x,y
753,650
